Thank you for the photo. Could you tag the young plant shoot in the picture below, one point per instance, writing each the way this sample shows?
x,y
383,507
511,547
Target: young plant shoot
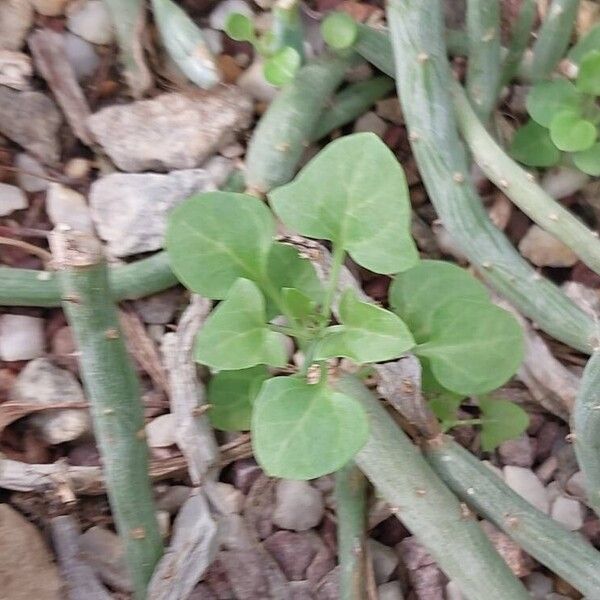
x,y
354,195
565,118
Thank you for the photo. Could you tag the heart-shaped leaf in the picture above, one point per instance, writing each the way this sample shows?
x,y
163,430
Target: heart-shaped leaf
x,y
235,336
533,146
445,408
353,193
548,98
215,238
368,333
239,27
588,160
473,347
303,431
339,30
416,294
287,269
281,68
502,420
588,79
572,133
231,394
590,41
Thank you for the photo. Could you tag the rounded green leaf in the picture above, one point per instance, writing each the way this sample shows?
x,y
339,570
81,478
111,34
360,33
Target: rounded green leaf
x,y
353,193
416,294
231,394
235,335
215,238
368,333
239,27
588,79
502,420
445,409
588,160
548,98
303,431
590,41
281,68
473,347
571,133
533,146
339,30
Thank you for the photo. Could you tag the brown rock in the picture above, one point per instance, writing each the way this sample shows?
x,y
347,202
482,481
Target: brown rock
x,y
244,473
544,250
518,452
329,587
259,506
426,578
519,562
293,552
26,567
245,573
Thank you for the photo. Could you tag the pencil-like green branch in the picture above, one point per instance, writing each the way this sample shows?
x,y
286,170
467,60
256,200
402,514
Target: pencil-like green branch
x,y
113,391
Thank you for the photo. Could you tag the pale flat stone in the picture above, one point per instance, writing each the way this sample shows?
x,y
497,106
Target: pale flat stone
x,y
544,250
11,199
298,506
21,337
90,20
568,512
68,207
526,483
16,18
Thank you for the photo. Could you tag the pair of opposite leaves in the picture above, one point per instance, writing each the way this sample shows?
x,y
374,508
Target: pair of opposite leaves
x,y
355,195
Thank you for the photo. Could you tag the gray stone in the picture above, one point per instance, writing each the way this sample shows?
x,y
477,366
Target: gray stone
x,y
390,591
15,69
11,199
31,176
586,298
562,182
453,591
390,110
90,20
526,483
160,432
234,533
538,585
31,120
385,561
224,497
253,82
518,452
130,210
159,309
21,337
103,551
171,131
16,18
544,250
298,506
173,498
50,8
41,382
27,569
372,123
293,552
68,207
81,55
218,17
576,485
568,512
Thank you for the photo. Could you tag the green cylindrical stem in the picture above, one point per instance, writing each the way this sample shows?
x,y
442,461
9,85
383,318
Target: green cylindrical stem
x,y
424,84
565,553
351,103
521,32
114,394
483,69
285,130
27,287
586,429
426,506
553,37
351,511
287,26
521,187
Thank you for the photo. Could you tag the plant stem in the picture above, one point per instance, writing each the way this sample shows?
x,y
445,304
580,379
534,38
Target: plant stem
x,y
483,69
553,37
520,34
350,103
351,506
424,83
27,287
337,261
287,26
521,187
566,553
427,507
586,429
284,131
113,391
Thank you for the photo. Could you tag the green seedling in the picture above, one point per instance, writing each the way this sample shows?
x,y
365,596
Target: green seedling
x,y
354,195
281,61
339,30
565,117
